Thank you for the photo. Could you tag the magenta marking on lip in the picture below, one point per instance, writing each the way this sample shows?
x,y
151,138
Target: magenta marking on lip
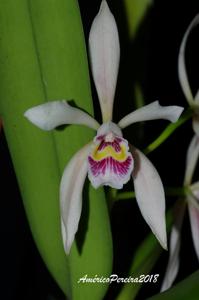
x,y
109,163
115,144
100,137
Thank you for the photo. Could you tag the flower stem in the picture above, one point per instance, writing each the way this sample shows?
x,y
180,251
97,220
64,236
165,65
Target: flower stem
x,y
177,191
168,131
144,259
124,195
111,196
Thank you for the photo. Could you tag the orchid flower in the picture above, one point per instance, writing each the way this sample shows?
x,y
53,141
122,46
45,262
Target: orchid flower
x,y
192,202
108,159
183,78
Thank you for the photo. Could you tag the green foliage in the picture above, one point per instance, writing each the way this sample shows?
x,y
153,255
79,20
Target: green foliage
x,y
43,58
186,289
144,260
135,11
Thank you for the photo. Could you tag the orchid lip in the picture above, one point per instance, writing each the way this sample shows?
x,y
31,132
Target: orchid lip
x,y
109,162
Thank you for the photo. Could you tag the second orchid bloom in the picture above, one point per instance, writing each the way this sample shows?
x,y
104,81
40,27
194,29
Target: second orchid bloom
x,y
109,159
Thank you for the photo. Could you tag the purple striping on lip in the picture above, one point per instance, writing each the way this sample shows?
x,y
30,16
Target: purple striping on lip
x,y
109,163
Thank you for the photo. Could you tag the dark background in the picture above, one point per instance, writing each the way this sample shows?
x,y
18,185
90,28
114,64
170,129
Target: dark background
x,y
150,60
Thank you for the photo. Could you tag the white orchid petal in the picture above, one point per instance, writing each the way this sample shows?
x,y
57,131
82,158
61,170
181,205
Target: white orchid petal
x,y
55,113
191,160
182,72
197,97
150,195
194,221
71,195
152,111
195,189
196,124
174,248
104,55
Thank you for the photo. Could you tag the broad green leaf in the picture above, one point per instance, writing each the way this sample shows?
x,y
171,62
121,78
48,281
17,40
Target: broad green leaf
x,y
186,289
135,11
144,260
43,58
145,257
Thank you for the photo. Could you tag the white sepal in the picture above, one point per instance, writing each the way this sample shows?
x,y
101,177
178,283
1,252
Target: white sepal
x,y
196,124
197,97
174,247
71,195
150,196
55,113
152,111
193,208
191,159
182,72
104,56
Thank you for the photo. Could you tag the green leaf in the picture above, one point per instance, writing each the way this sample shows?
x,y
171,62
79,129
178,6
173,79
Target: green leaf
x,y
144,260
145,257
135,11
186,289
43,58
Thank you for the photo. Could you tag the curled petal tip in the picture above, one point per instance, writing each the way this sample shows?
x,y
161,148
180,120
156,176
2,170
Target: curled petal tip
x,y
37,115
182,72
49,115
175,113
152,111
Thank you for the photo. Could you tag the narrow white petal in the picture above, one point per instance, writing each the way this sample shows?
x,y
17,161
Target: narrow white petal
x,y
174,248
196,124
152,111
194,221
71,195
191,160
182,72
55,113
195,189
104,55
150,195
197,97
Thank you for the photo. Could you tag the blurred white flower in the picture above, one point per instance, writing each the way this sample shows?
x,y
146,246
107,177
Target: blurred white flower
x,y
183,78
192,202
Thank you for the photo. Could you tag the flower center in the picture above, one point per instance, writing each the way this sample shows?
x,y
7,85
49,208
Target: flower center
x,y
109,137
110,162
